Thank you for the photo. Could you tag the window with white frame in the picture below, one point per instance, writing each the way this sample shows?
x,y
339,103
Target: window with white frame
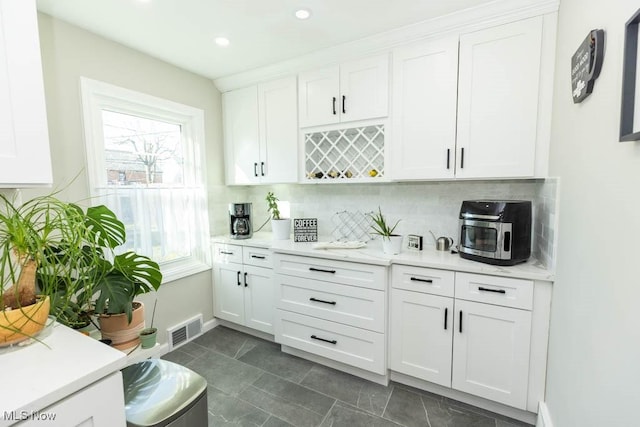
x,y
145,162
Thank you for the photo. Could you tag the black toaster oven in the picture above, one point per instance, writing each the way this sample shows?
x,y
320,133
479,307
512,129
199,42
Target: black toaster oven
x,y
495,232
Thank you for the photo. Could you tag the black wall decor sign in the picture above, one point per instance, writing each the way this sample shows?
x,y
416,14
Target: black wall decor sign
x,y
305,229
629,76
586,64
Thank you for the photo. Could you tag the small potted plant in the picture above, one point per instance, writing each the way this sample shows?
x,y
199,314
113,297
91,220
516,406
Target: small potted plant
x,y
148,335
281,227
391,243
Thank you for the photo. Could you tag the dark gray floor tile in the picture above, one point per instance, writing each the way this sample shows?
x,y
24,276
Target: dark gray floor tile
x,y
355,391
225,373
267,356
226,341
418,391
508,422
276,422
294,393
178,356
470,408
281,407
442,413
342,415
229,410
406,408
195,350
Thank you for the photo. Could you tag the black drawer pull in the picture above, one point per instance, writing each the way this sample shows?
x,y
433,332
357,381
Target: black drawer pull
x,y
322,301
239,279
258,256
262,168
321,270
245,280
334,105
446,312
416,279
460,325
322,339
255,169
226,253
497,291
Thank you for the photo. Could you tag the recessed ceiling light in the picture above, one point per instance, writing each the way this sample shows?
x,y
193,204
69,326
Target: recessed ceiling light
x,y
303,13
222,41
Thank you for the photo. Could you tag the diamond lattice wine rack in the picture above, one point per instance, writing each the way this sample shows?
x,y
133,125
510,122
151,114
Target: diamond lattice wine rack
x,y
346,154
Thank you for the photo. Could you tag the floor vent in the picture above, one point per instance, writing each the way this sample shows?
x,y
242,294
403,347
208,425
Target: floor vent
x,y
184,332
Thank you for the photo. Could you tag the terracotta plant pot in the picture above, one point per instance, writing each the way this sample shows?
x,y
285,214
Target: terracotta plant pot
x,y
116,327
22,323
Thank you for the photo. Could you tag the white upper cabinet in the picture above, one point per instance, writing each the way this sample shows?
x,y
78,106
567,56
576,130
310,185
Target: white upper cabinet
x,y
424,110
498,91
25,159
260,133
356,90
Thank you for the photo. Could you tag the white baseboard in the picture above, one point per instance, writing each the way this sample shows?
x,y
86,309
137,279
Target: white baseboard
x,y
544,418
209,325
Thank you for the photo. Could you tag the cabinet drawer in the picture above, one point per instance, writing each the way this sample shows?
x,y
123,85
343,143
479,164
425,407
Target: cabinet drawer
x,y
260,257
425,280
346,344
516,293
348,273
362,308
224,253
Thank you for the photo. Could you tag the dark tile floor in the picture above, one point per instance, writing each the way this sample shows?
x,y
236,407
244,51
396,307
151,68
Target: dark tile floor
x,y
252,383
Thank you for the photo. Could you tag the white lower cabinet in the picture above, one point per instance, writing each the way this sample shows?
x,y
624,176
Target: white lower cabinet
x,y
243,286
333,309
449,338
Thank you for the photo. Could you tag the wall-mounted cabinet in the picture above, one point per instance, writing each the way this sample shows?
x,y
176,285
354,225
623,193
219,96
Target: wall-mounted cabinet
x,y
468,111
356,90
260,133
25,159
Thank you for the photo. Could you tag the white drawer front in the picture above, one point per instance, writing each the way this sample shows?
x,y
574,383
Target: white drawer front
x,y
362,308
352,346
348,273
224,254
516,293
425,280
260,257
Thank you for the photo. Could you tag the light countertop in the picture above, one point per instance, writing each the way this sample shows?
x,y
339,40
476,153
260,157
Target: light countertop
x,y
38,375
372,254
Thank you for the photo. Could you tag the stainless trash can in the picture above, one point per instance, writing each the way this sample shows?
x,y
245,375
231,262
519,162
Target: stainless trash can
x,y
159,393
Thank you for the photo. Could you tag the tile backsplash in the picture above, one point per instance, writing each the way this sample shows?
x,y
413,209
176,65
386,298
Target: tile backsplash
x,y
420,206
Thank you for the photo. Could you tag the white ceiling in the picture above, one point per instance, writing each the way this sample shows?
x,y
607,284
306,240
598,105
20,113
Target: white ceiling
x,y
261,32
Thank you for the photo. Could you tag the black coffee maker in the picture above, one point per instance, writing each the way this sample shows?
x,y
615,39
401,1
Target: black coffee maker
x,y
240,220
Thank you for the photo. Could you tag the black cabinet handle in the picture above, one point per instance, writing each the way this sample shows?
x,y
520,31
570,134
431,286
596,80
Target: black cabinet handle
x,y
344,104
416,279
245,280
460,324
462,158
321,270
262,168
255,169
322,339
239,279
257,256
322,301
334,106
226,253
446,313
448,157
497,291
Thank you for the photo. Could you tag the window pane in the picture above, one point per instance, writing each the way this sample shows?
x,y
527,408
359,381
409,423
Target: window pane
x,y
141,151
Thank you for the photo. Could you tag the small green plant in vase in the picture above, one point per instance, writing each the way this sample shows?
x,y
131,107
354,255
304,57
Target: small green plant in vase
x,y
281,227
391,243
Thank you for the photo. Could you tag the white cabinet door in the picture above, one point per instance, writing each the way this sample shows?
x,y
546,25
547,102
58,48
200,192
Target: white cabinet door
x,y
318,93
25,159
241,143
278,109
498,100
491,352
421,335
364,89
229,292
425,79
259,304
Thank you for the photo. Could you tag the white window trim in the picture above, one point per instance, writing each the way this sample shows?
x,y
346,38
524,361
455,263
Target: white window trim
x,y
97,96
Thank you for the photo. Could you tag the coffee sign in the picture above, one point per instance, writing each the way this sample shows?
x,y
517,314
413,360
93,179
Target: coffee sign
x,y
586,64
305,229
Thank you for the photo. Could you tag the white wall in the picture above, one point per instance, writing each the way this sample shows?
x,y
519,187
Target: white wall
x,y
69,52
594,354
